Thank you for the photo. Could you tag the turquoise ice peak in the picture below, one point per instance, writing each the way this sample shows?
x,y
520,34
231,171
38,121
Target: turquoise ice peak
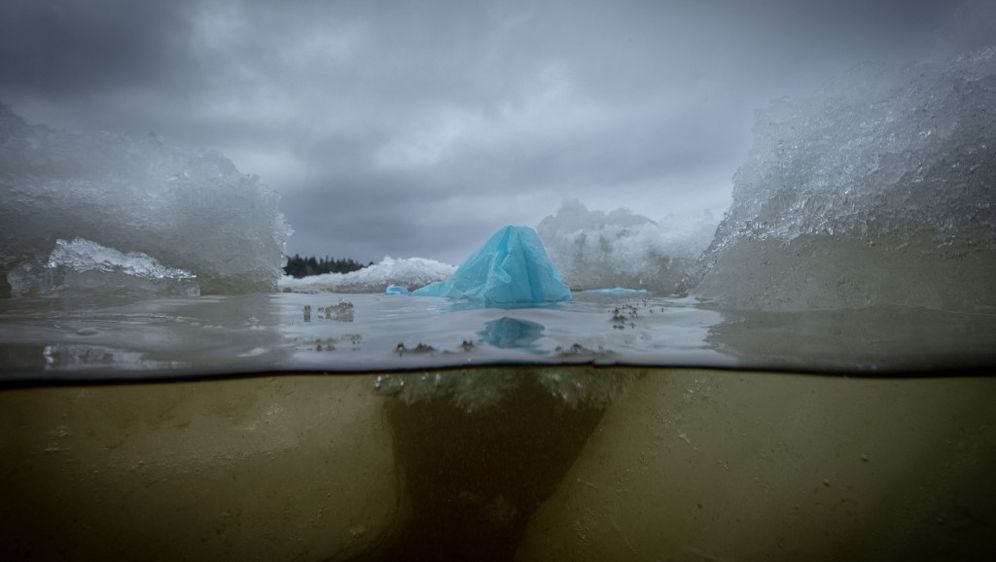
x,y
511,268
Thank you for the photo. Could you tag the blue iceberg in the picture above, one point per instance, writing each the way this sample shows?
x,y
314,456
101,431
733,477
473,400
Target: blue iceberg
x,y
511,268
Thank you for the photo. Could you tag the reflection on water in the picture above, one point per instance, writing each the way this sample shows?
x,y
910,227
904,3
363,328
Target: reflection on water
x,y
91,357
511,333
59,339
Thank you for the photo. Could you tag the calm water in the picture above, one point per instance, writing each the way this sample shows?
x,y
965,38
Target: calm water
x,y
60,339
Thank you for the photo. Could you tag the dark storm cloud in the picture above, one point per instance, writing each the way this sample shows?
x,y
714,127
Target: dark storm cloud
x,y
73,48
419,127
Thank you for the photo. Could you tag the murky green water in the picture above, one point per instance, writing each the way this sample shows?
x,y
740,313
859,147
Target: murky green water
x,y
557,463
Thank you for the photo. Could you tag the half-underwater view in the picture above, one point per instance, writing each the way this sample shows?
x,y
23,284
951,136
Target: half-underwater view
x,y
498,280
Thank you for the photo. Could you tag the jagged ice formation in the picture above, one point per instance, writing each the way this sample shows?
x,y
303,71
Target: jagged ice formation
x,y
188,209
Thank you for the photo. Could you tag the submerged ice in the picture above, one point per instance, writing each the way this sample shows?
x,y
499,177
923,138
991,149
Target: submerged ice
x,y
190,209
82,266
512,267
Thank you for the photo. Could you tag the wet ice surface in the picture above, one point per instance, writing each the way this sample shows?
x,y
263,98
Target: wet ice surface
x,y
60,339
186,208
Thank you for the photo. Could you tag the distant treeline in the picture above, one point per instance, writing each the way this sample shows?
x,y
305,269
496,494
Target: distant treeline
x,y
298,266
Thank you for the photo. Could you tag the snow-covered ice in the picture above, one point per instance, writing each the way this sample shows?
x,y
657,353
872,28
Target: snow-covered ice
x,y
595,249
410,273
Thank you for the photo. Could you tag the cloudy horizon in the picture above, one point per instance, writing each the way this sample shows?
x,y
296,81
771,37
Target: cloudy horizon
x,y
420,128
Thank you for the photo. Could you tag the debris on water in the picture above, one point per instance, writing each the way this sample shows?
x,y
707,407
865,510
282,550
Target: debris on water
x,y
340,312
575,349
333,343
400,349
578,350
354,340
623,316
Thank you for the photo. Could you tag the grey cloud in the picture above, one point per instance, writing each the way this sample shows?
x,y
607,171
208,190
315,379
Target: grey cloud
x,y
415,128
64,49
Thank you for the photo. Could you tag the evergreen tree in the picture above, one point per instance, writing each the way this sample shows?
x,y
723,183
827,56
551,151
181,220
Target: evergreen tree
x,y
298,266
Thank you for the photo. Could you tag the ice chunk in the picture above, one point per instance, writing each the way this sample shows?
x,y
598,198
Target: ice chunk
x,y
397,290
594,249
190,209
408,273
82,266
615,292
878,189
511,268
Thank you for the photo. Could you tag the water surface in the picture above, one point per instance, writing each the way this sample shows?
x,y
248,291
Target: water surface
x,y
53,339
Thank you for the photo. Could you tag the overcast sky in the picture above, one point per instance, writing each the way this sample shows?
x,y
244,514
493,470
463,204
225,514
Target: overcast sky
x,y
418,128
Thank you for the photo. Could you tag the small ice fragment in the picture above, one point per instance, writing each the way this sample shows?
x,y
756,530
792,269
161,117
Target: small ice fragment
x,y
396,290
614,292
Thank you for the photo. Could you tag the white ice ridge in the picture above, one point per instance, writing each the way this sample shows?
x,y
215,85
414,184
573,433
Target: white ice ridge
x,y
410,273
83,255
85,266
191,209
594,249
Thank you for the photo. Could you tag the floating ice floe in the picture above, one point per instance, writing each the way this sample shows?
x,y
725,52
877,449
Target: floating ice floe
x,y
615,292
512,267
